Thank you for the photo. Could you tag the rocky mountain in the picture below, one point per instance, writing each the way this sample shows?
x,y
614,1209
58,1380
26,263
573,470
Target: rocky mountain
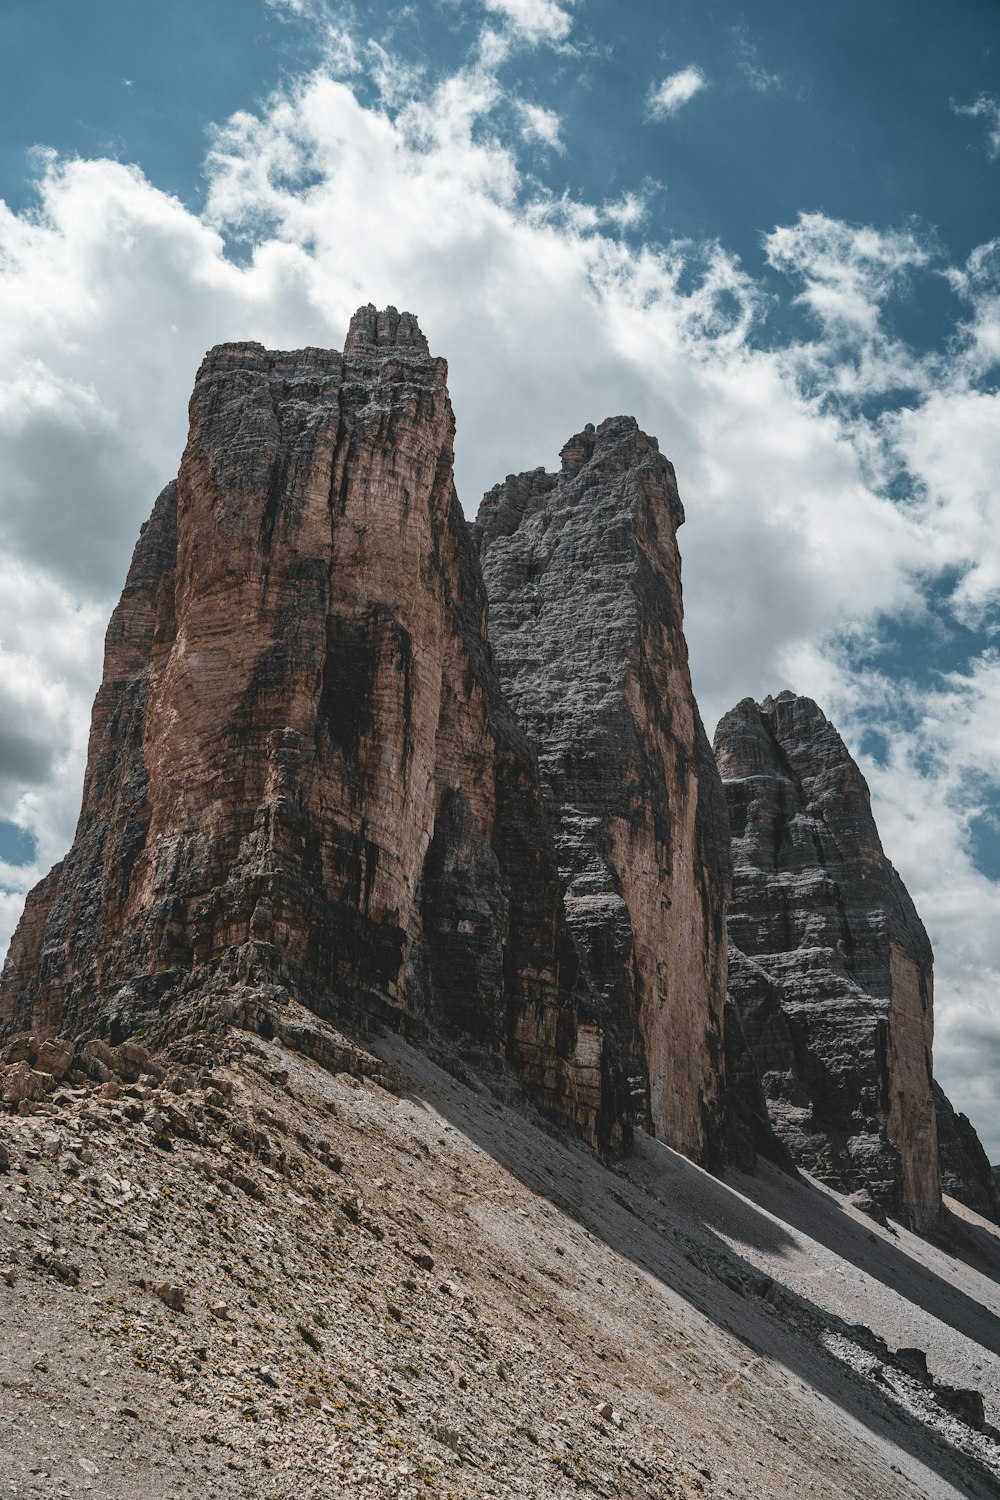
x,y
966,1173
303,776
832,970
316,777
376,921
583,576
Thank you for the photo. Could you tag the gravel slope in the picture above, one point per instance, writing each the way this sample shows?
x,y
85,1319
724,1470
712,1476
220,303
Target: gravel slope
x,y
388,1283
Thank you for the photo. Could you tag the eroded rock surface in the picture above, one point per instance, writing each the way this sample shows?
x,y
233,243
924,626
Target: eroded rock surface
x,y
303,774
830,964
584,582
966,1173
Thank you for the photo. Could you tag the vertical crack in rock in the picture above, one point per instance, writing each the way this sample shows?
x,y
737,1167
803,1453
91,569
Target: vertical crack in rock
x,y
583,576
829,964
303,776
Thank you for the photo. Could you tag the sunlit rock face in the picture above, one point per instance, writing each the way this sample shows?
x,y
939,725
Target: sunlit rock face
x,y
829,964
303,774
584,581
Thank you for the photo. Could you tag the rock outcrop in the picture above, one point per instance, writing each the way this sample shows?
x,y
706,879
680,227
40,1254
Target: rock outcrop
x,y
303,775
966,1173
830,964
584,583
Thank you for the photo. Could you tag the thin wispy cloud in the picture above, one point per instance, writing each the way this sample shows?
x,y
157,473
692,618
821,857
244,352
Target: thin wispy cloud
x,y
540,125
748,63
672,93
986,107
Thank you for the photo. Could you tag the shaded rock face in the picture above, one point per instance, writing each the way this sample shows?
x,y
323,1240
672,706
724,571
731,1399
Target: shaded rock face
x,y
584,583
829,964
303,772
966,1173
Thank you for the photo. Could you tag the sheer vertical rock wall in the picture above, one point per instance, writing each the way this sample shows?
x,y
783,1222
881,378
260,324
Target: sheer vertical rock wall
x,y
830,964
303,772
584,583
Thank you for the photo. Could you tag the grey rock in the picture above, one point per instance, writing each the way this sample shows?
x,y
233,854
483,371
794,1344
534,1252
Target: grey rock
x,y
830,964
583,576
966,1173
171,1295
962,1402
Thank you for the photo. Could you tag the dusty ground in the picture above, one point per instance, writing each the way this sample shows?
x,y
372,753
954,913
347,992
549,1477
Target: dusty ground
x,y
404,1288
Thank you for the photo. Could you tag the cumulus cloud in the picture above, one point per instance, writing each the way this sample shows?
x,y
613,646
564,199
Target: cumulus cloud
x,y
670,95
110,291
986,107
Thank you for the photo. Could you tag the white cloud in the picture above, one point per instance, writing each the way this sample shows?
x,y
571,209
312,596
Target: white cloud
x,y
978,282
541,125
110,291
536,21
848,270
986,107
667,97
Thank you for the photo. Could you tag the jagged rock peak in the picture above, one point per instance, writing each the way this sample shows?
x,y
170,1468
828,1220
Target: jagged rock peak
x,y
304,780
584,582
372,331
830,964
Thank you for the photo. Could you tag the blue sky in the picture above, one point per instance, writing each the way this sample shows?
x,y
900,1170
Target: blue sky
x,y
771,232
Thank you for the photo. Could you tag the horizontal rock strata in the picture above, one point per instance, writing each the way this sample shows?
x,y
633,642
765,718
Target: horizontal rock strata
x,y
303,774
830,964
584,583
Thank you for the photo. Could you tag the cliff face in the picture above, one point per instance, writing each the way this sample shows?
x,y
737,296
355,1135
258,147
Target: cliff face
x,y
584,582
303,773
966,1173
830,964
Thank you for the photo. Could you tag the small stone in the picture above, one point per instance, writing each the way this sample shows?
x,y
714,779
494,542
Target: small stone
x,y
172,1295
607,1413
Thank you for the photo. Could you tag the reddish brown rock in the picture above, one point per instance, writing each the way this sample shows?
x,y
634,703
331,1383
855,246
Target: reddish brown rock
x,y
584,580
830,964
303,775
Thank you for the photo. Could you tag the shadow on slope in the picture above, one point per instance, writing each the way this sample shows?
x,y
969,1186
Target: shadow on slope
x,y
622,1207
818,1216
